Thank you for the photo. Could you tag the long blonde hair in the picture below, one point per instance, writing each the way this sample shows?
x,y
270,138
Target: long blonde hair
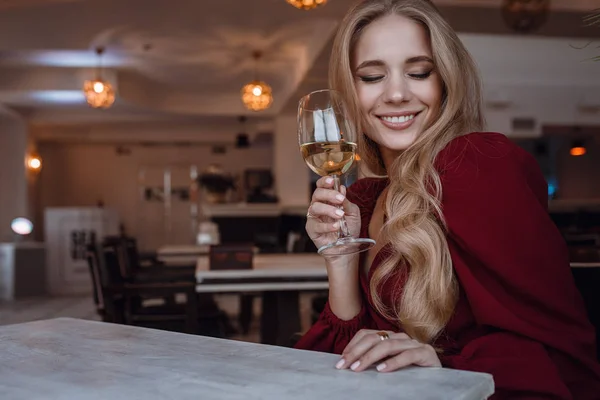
x,y
415,228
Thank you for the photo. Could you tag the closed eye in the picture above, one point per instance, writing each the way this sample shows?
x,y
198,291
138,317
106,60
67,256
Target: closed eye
x,y
371,78
421,76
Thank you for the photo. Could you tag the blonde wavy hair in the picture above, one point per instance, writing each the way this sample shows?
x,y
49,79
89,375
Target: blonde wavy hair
x,y
415,227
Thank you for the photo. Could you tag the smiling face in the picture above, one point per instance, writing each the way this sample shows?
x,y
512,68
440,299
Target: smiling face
x,y
398,87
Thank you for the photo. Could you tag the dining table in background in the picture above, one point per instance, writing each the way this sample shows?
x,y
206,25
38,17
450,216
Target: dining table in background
x,y
184,254
278,279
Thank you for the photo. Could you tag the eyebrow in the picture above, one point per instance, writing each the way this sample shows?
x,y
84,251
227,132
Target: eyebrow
x,y
379,63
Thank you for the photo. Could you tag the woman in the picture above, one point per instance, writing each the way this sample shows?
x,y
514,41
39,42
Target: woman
x,y
469,272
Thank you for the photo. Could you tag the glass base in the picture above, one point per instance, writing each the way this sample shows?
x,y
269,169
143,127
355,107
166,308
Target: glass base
x,y
346,246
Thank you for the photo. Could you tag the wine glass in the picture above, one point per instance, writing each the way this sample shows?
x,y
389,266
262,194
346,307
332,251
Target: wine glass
x,y
327,140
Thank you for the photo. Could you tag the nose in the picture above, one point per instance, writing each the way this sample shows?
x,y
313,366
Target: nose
x,y
396,90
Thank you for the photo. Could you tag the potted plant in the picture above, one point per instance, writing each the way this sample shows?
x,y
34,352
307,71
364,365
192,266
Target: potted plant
x,y
215,183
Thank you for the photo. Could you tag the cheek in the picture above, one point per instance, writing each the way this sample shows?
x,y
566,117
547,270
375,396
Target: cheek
x,y
367,96
431,95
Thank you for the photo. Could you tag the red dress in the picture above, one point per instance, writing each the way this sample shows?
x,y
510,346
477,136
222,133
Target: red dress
x,y
519,315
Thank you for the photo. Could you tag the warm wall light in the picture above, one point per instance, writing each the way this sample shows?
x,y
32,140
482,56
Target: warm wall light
x,y
577,148
34,163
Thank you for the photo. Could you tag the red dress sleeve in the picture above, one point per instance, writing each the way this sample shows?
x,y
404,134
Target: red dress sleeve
x,y
331,334
513,268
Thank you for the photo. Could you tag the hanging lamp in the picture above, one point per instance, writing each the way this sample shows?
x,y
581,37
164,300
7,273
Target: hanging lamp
x,y
257,95
99,93
307,4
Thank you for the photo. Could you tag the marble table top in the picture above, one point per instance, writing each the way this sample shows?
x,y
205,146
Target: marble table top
x,y
67,358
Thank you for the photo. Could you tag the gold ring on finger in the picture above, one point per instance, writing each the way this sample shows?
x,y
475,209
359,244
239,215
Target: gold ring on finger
x,y
383,335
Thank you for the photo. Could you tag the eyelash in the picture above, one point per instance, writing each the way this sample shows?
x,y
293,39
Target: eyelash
x,y
421,76
371,79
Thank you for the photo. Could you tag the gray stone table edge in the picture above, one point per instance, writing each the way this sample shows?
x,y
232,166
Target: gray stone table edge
x,y
66,358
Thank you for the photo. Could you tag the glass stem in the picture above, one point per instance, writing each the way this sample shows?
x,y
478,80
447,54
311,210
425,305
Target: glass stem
x,y
343,231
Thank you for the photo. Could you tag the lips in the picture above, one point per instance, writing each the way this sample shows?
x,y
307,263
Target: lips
x,y
398,121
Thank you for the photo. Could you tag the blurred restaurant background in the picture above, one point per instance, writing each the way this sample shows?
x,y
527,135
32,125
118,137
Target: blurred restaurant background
x,y
142,141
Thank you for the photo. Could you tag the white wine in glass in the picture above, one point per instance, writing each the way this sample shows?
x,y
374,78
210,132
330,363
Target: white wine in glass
x,y
327,141
329,158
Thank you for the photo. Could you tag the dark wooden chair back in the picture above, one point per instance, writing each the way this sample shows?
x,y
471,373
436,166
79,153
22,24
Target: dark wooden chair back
x,y
113,265
118,251
108,301
93,259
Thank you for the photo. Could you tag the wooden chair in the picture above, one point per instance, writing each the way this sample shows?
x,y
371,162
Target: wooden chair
x,y
183,317
109,305
134,268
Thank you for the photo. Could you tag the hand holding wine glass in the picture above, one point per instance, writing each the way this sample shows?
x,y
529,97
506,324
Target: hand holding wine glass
x,y
322,226
327,141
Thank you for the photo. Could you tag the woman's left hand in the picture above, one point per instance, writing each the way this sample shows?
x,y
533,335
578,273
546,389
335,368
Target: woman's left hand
x,y
369,347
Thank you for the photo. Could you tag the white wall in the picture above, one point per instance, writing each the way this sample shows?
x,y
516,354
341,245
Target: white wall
x,y
551,80
83,174
548,105
13,183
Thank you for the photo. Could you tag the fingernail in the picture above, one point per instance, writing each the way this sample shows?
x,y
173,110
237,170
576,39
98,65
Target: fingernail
x,y
381,367
355,365
340,363
329,180
339,212
340,197
335,226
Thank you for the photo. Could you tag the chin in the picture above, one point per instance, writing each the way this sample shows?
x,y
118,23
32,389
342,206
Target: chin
x,y
399,141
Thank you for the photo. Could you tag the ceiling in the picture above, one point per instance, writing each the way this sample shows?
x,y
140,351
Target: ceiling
x,y
188,59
